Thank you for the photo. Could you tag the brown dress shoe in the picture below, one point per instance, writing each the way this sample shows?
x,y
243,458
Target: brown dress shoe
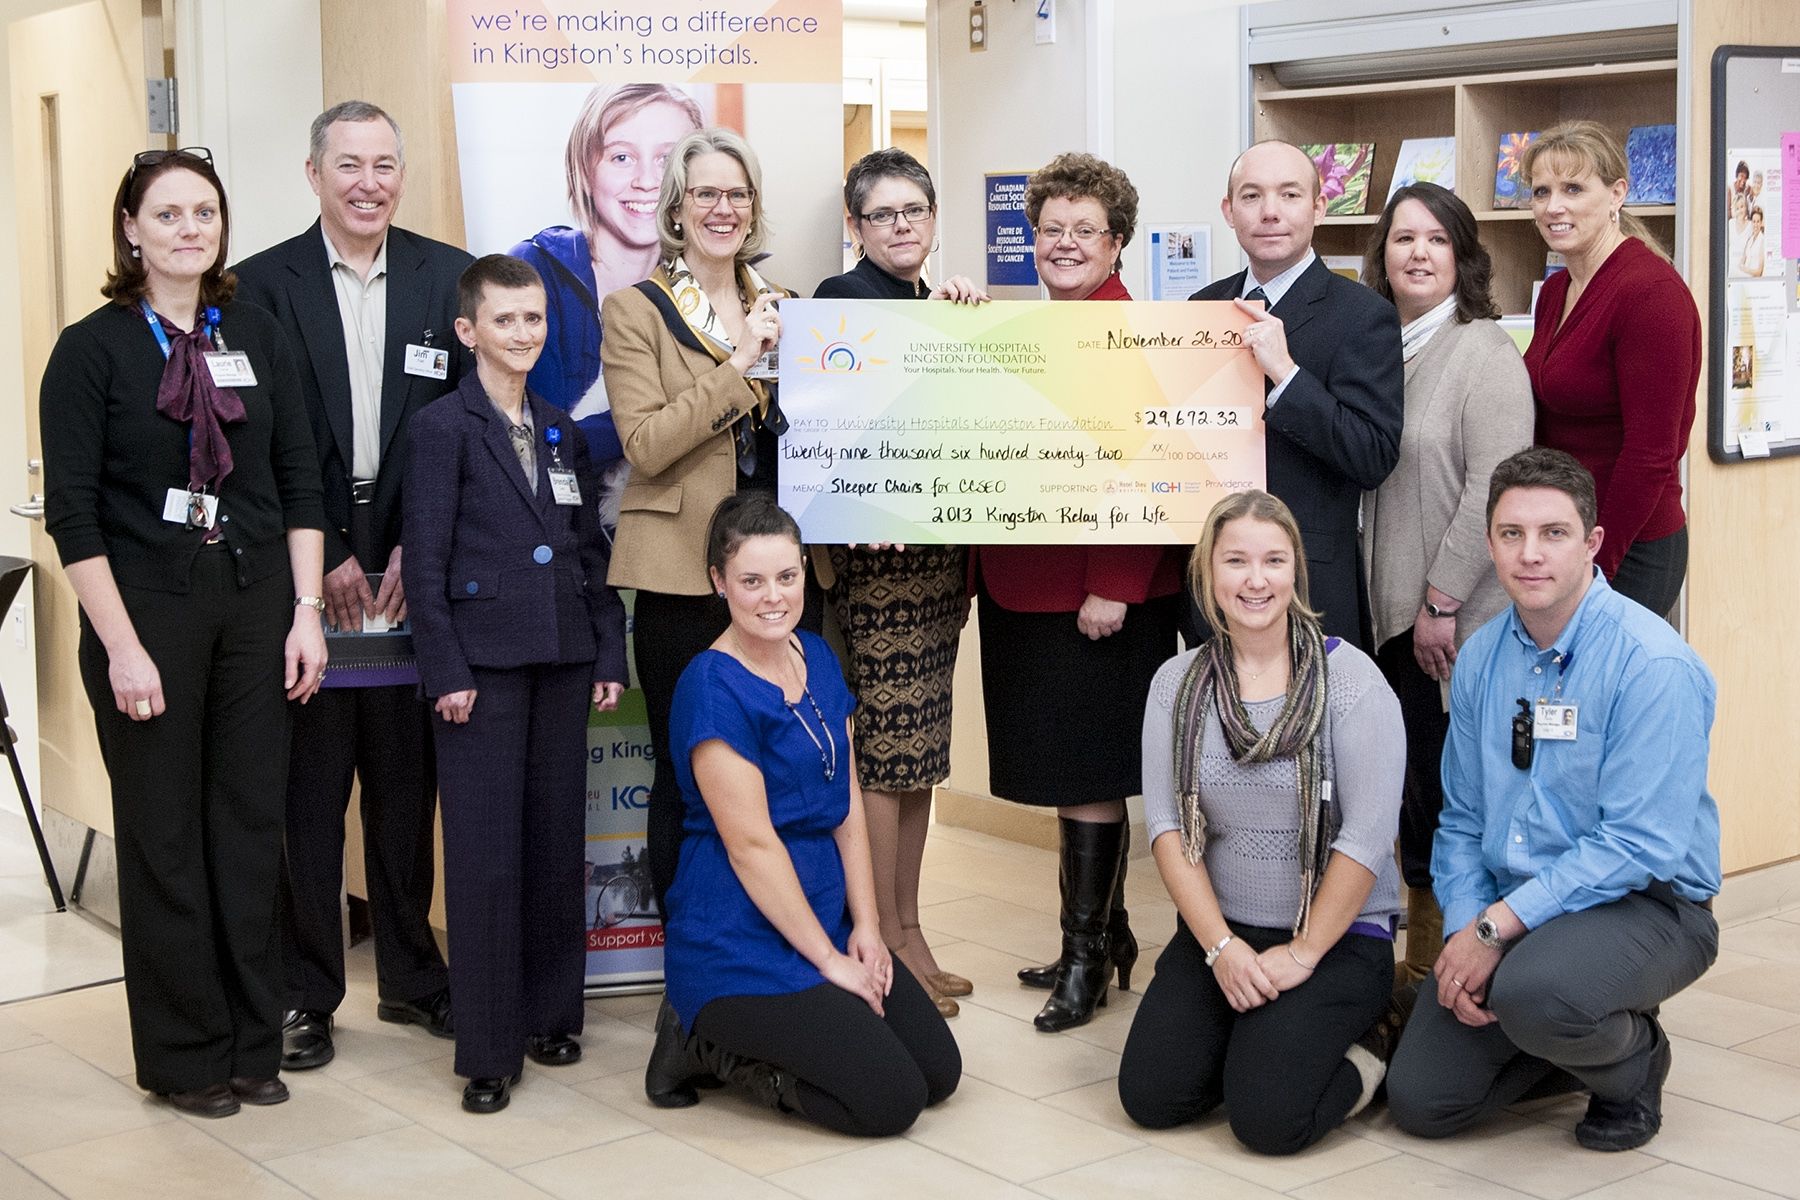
x,y
213,1100
259,1091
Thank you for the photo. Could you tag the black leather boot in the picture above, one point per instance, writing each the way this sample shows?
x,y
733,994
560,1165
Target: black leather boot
x,y
1090,871
1124,947
670,1077
767,1084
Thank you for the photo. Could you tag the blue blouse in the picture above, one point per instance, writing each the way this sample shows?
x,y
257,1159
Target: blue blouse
x,y
718,941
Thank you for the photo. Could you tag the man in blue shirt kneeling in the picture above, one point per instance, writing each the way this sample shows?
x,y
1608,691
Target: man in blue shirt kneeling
x,y
1578,852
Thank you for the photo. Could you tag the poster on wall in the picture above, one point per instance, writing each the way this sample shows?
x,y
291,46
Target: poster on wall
x,y
566,111
1178,260
1010,260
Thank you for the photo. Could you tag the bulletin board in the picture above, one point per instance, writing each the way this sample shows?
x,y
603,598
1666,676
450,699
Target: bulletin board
x,y
1753,367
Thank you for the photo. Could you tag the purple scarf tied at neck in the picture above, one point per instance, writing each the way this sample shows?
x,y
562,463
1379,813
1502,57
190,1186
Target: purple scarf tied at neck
x,y
189,395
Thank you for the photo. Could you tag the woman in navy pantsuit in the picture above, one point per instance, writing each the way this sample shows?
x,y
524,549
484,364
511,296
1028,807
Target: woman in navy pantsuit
x,y
515,630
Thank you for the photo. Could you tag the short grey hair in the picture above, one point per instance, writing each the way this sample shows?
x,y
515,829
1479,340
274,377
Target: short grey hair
x,y
675,184
356,111
872,168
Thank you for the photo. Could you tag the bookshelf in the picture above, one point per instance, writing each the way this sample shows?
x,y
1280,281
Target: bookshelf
x,y
1475,109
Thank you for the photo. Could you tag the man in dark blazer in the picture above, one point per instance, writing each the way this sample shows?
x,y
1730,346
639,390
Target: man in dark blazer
x,y
1330,353
369,311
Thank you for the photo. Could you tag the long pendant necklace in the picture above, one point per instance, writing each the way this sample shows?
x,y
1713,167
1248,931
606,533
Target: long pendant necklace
x,y
828,748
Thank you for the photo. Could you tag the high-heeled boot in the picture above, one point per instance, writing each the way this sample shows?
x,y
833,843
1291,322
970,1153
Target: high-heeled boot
x,y
1090,870
678,1065
1123,943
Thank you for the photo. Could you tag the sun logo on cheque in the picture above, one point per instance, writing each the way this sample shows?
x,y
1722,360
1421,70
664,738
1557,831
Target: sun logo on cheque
x,y
838,353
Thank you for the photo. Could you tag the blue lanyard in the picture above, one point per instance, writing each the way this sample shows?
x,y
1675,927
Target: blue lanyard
x,y
211,317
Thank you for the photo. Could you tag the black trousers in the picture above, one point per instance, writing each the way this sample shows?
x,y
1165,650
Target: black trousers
x,y
1280,1069
667,632
1427,725
197,800
383,736
515,814
1651,572
858,1073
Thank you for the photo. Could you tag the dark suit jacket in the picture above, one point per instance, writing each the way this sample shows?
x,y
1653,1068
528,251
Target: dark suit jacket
x,y
1335,432
495,576
293,281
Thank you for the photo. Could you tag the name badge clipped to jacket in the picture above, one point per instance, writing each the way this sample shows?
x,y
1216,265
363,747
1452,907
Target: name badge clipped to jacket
x,y
427,362
230,368
563,487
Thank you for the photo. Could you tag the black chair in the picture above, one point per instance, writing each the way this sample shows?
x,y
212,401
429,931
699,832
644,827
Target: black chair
x,y
12,577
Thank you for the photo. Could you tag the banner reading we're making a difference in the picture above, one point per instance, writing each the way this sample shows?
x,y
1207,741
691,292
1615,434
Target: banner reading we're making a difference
x,y
565,112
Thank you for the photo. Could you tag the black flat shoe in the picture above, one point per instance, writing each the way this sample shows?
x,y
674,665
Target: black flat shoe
x,y
258,1091
430,1013
553,1049
306,1040
1628,1124
488,1095
213,1100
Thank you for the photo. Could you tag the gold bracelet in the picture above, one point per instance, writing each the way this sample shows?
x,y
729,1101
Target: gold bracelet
x,y
1296,958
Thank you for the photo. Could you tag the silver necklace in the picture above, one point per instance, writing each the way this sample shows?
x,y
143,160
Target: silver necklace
x,y
828,748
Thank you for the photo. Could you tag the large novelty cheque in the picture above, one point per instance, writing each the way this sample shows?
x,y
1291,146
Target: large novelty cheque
x,y
1023,422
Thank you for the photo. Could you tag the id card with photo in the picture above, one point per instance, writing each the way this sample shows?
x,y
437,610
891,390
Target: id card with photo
x,y
1552,722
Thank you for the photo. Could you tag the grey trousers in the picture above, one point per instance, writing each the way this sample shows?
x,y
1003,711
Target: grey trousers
x,y
1574,998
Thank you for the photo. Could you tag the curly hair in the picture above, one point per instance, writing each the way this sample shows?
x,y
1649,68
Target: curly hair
x,y
1076,176
1474,266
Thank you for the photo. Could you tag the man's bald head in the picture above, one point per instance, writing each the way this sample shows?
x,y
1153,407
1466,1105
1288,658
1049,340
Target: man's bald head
x,y
1275,154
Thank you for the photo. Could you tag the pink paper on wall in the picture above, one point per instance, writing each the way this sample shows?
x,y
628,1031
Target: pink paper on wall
x,y
1790,195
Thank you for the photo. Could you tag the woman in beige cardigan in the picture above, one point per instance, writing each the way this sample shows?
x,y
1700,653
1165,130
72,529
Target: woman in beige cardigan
x,y
698,420
1468,405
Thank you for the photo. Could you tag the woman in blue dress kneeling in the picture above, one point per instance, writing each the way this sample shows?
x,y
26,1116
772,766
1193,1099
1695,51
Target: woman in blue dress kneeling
x,y
778,980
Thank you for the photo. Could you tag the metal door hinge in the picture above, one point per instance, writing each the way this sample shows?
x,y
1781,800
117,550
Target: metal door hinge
x,y
159,95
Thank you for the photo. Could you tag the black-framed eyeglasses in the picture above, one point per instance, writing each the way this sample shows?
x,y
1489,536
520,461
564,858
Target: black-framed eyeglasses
x,y
915,214
154,158
706,197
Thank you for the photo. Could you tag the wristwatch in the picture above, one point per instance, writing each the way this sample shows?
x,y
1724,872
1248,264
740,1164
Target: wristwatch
x,y
316,603
1488,933
1434,611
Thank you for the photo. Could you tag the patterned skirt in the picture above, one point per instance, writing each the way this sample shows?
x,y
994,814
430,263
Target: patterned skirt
x,y
902,613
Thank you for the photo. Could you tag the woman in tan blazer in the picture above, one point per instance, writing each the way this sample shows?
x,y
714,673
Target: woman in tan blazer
x,y
1468,405
698,422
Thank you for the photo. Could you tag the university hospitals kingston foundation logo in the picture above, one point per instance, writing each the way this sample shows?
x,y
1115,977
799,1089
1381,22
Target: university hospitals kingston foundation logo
x,y
839,353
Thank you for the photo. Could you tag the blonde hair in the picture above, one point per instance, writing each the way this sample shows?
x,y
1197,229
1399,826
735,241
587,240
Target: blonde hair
x,y
1258,506
600,112
1588,145
675,184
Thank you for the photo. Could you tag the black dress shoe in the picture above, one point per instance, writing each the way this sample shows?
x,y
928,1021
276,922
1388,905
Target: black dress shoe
x,y
306,1040
1628,1124
488,1095
213,1100
259,1091
430,1013
553,1049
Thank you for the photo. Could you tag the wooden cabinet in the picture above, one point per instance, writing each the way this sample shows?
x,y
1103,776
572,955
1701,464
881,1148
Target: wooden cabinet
x,y
1476,110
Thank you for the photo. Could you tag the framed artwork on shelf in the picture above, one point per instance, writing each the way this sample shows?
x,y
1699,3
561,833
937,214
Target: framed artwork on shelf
x,y
1425,160
1509,187
1344,172
1650,162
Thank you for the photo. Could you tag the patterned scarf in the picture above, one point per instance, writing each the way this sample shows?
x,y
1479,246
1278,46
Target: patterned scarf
x,y
188,394
1211,684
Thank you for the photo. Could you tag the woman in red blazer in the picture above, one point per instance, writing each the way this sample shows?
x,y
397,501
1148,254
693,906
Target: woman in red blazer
x,y
1615,358
1071,635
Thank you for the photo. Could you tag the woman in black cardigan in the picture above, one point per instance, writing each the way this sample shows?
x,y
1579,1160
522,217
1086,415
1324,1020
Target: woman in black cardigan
x,y
183,495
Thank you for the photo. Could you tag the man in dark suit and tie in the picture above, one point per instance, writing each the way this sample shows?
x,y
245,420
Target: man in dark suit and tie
x,y
1330,352
369,312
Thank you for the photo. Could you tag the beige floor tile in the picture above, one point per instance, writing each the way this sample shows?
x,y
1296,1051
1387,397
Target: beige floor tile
x,y
946,838
1530,1156
1027,932
124,1163
1774,984
1729,1144
1782,1047
1741,1082
1112,1024
724,1125
546,1118
609,1045
1210,1141
1767,938
650,1166
1793,1124
50,1098
626,1003
1791,915
1405,1176
1028,884
1672,1182
895,1170
995,976
1149,1174
1702,1015
1015,1056
92,1024
937,889
1728,960
403,1162
1007,1135
16,1183
321,1112
15,1034
369,1046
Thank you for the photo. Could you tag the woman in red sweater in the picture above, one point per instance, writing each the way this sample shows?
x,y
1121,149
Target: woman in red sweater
x,y
1615,357
1071,636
